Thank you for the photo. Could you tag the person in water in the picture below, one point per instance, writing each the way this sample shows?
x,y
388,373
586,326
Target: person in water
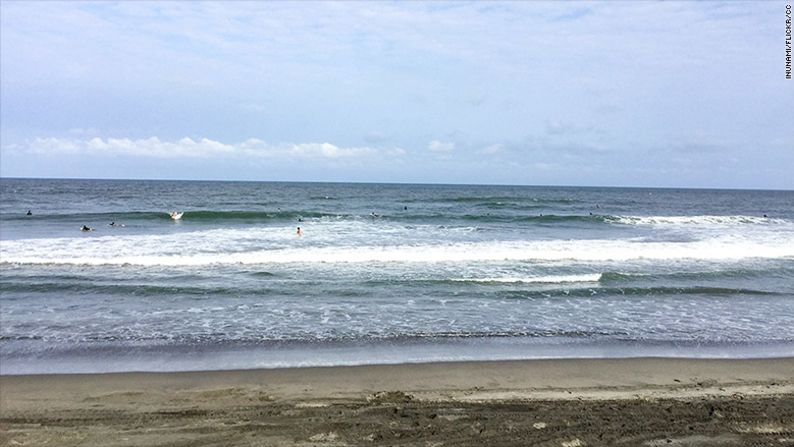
x,y
299,233
29,213
86,228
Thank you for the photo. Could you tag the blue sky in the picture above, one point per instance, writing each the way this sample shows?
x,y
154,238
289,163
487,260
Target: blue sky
x,y
689,94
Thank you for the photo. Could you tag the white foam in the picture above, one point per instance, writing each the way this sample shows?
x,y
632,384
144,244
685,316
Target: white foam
x,y
192,249
705,220
552,279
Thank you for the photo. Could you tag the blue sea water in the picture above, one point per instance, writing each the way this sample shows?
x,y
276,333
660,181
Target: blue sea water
x,y
385,273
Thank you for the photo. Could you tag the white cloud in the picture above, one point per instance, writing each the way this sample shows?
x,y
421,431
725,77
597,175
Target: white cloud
x,y
49,145
203,148
326,150
439,146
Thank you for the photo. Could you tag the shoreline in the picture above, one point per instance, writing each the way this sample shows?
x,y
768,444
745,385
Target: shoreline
x,y
492,402
111,358
548,362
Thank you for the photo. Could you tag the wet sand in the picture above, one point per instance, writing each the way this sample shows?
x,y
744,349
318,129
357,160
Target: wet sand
x,y
565,403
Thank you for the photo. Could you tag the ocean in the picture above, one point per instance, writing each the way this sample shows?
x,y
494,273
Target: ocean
x,y
385,273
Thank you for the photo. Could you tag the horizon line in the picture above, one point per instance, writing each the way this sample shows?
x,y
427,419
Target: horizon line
x,y
403,183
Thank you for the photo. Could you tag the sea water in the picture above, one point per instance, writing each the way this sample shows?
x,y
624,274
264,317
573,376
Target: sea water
x,y
385,273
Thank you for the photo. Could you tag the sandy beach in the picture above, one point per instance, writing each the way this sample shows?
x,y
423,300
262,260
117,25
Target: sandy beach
x,y
542,402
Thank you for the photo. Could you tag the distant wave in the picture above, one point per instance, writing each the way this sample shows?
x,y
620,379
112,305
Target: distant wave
x,y
201,215
587,219
617,277
265,216
258,215
91,217
590,219
496,217
502,213
496,199
540,218
696,220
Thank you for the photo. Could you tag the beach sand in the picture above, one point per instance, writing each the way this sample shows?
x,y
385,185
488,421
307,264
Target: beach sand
x,y
566,403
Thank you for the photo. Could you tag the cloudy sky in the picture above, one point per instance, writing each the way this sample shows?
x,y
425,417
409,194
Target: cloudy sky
x,y
688,94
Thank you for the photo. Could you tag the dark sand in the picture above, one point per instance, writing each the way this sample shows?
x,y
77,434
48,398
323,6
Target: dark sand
x,y
566,403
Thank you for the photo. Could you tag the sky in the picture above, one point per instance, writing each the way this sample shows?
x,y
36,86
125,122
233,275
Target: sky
x,y
658,94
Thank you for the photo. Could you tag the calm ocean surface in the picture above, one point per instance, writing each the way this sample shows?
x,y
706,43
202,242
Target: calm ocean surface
x,y
439,273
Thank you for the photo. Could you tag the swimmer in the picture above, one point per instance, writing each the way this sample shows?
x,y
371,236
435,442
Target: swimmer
x,y
29,213
299,233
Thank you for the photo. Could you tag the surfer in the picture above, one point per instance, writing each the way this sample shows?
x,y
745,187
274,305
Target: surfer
x,y
29,213
299,233
86,228
175,215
